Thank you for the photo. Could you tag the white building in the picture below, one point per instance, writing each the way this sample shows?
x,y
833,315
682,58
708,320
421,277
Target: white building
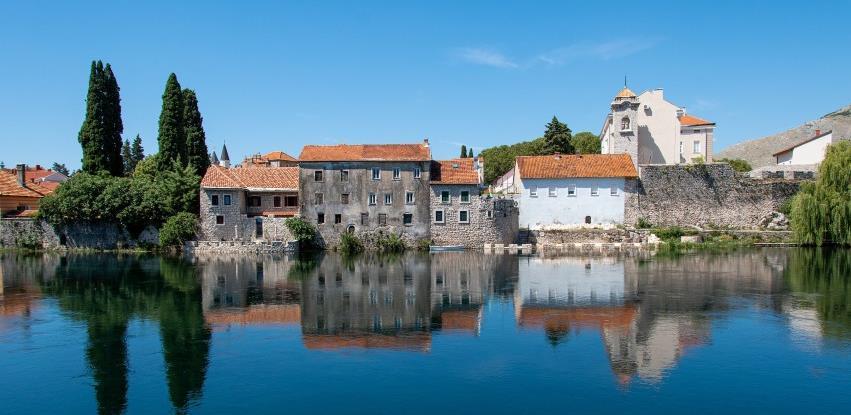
x,y
563,191
810,151
654,131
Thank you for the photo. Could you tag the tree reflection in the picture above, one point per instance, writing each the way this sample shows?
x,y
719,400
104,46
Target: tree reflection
x,y
827,273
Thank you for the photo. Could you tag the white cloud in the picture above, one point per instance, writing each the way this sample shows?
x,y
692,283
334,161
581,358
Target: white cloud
x,y
601,51
486,57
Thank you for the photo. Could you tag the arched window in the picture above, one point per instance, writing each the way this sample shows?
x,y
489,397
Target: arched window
x,y
625,123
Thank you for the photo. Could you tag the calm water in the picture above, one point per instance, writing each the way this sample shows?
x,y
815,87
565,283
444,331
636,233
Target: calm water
x,y
759,331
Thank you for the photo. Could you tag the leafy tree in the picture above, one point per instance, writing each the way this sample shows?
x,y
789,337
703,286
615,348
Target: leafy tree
x,y
739,165
178,229
586,143
127,156
557,138
60,168
463,151
821,211
172,137
93,132
112,121
196,144
500,159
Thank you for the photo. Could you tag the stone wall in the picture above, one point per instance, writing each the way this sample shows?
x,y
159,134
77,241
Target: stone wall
x,y
18,232
703,195
553,237
491,220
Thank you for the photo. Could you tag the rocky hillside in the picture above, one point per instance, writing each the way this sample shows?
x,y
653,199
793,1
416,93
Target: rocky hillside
x,y
758,152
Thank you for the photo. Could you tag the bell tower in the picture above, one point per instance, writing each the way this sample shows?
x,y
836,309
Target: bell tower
x,y
624,131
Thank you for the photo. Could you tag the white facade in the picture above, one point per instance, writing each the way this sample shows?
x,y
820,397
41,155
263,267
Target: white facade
x,y
809,152
570,202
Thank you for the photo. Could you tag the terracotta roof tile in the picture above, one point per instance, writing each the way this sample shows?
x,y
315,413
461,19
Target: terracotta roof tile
x,y
366,152
625,93
586,165
9,187
687,120
455,171
283,178
279,156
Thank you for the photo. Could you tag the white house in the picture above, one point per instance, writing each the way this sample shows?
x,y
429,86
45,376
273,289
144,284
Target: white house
x,y
562,191
653,130
809,151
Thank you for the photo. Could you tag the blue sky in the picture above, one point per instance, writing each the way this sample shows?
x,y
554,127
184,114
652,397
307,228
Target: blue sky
x,y
277,76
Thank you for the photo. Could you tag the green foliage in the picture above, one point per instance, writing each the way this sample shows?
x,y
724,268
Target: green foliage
x,y
698,160
178,229
672,233
470,153
303,231
196,139
60,168
586,143
390,243
739,165
643,224
821,211
132,154
786,207
557,138
463,151
500,159
826,273
350,244
423,244
93,132
114,125
172,136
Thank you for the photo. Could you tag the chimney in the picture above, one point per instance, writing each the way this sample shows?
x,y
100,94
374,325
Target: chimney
x,y
21,168
818,132
425,141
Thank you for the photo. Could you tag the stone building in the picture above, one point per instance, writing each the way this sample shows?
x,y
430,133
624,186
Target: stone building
x,y
461,214
367,189
652,130
271,159
247,203
20,197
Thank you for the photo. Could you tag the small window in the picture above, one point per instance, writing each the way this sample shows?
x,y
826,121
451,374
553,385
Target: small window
x,y
388,198
613,191
376,173
372,199
344,198
697,130
382,219
317,176
571,190
409,198
681,147
220,220
444,196
320,218
465,196
533,191
588,220
364,219
318,199
276,201
490,214
397,173
696,148
291,201
438,216
227,200
625,123
214,200
344,175
338,218
595,191
417,173
552,192
463,216
407,218
254,201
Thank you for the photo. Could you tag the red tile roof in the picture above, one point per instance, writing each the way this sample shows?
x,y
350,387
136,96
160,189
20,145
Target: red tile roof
x,y
820,135
687,120
279,156
366,152
585,165
455,171
9,187
251,178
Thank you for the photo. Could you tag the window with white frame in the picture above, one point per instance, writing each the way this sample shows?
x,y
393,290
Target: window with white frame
x,y
397,173
220,220
613,191
376,173
465,196
463,216
696,148
407,218
438,216
533,191
571,190
490,214
417,172
388,198
373,200
625,123
409,198
227,200
444,196
551,192
595,190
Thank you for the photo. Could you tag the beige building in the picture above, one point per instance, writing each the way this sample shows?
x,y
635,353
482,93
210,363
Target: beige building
x,y
653,130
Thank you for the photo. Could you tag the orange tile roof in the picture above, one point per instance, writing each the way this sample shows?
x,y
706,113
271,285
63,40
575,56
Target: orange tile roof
x,y
581,316
468,320
256,314
9,187
585,165
455,171
366,152
420,341
251,178
279,156
687,120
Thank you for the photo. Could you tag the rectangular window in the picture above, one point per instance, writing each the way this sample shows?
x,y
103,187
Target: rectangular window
x,y
595,191
344,175
388,198
465,196
372,199
438,216
382,219
214,200
254,201
571,190
344,198
364,219
552,192
227,200
276,201
613,191
463,216
220,220
397,173
376,173
681,148
318,199
696,148
291,201
317,176
320,218
338,218
444,196
409,198
533,191
407,218
417,173
490,214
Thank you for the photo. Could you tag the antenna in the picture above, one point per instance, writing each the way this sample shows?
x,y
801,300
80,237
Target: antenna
x,y
624,81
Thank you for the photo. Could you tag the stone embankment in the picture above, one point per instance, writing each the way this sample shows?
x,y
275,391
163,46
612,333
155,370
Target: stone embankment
x,y
35,233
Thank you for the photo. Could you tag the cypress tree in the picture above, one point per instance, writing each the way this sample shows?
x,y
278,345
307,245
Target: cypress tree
x,y
93,131
463,151
127,156
196,140
557,138
137,153
470,152
172,138
112,142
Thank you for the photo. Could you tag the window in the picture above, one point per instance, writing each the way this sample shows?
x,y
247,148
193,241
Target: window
x,y
625,123
344,198
320,218
220,220
463,216
465,196
533,191
696,148
681,147
254,201
438,216
372,199
338,218
388,198
697,130
317,176
552,192
376,173
595,191
382,219
364,219
417,173
588,220
571,190
490,214
276,201
409,198
613,191
227,200
397,173
291,201
318,199
214,200
344,175
407,218
444,196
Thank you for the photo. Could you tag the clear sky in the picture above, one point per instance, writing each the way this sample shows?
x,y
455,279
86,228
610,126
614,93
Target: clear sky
x,y
275,76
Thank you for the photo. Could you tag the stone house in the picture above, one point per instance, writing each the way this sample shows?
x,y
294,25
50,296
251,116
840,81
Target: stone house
x,y
248,203
271,159
367,189
461,214
20,197
653,130
565,191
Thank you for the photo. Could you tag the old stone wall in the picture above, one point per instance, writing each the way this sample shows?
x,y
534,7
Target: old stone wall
x,y
572,236
491,220
38,233
703,195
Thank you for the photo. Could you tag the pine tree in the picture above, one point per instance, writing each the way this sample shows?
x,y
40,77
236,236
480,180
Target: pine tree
x,y
137,153
470,153
57,167
112,142
93,131
196,144
557,138
127,157
172,138
463,151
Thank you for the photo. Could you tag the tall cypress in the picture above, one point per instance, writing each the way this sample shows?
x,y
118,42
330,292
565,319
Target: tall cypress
x,y
172,138
93,131
112,121
470,153
463,151
196,140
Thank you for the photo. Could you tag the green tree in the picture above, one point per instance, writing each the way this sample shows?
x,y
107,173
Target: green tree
x,y
470,153
60,168
196,140
739,165
821,211
127,156
94,131
586,143
137,153
112,121
172,137
500,159
463,151
557,138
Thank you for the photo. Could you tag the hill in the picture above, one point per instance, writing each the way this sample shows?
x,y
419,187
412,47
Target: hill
x,y
759,152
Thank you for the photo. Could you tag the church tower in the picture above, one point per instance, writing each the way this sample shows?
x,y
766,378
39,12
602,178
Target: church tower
x,y
624,131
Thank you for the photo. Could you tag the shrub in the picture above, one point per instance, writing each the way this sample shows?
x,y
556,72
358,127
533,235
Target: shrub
x,y
643,224
821,211
739,165
350,244
303,231
390,243
424,244
178,229
672,233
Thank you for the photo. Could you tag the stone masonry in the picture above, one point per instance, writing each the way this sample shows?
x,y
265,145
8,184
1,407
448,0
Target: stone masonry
x,y
491,220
